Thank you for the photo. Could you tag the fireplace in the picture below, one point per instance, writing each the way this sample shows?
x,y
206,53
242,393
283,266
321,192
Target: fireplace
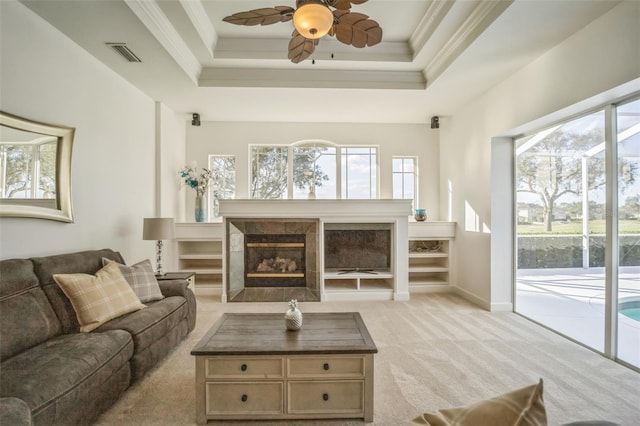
x,y
277,257
275,260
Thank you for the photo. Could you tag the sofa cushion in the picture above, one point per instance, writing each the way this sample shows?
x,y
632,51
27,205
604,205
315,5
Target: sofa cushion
x,y
26,316
522,407
61,367
87,262
99,298
152,323
141,278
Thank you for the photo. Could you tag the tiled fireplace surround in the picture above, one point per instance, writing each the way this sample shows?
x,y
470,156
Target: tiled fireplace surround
x,y
239,229
245,218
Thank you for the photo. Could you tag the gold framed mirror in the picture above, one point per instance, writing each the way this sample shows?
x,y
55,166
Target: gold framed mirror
x,y
35,169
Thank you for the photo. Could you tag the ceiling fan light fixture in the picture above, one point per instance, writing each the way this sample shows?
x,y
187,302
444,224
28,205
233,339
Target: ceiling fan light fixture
x,y
313,19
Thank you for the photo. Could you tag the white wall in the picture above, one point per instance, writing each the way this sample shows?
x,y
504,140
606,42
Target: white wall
x,y
231,138
600,57
46,77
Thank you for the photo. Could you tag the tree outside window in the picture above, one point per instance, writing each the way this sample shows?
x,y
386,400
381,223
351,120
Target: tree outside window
x,y
223,184
313,170
28,170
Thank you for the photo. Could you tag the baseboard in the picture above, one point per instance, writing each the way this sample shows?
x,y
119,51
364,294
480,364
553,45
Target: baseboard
x,y
472,298
492,307
502,307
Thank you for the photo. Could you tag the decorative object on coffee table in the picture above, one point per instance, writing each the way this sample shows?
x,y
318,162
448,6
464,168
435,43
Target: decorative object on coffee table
x,y
293,317
420,215
158,228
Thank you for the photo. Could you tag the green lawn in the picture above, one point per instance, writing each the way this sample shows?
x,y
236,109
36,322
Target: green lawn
x,y
596,227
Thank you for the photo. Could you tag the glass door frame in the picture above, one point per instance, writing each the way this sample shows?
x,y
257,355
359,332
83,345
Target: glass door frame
x,y
611,226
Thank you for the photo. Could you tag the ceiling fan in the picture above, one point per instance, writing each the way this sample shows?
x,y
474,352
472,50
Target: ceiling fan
x,y
314,19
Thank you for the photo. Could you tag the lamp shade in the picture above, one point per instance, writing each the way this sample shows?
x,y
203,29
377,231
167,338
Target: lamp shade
x,y
313,19
157,228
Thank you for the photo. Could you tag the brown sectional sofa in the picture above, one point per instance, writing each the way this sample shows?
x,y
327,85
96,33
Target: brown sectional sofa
x,y
50,372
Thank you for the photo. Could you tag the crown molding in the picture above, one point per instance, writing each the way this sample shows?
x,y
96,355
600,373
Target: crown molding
x,y
429,23
159,25
311,78
263,48
198,16
479,20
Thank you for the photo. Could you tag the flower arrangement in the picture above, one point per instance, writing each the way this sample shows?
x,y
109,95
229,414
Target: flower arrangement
x,y
196,180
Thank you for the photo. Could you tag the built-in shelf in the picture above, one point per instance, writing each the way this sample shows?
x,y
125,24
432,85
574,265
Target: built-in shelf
x,y
199,250
430,248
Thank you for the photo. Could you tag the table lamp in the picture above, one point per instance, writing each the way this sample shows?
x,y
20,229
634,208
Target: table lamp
x,y
158,228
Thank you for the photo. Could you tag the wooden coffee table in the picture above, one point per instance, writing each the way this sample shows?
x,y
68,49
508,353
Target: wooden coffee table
x,y
248,366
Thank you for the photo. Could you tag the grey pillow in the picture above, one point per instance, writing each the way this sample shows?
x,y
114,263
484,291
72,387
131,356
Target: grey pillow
x,y
141,278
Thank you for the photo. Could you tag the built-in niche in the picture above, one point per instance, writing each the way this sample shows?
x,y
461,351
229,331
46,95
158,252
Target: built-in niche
x,y
357,247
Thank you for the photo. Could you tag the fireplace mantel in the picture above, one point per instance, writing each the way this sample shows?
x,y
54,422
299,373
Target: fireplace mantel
x,y
358,209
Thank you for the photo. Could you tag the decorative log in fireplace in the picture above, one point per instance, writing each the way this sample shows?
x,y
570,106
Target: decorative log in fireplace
x,y
275,260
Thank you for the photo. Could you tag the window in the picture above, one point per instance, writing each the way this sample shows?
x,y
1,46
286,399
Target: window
x,y
314,170
359,171
28,170
223,186
269,172
405,178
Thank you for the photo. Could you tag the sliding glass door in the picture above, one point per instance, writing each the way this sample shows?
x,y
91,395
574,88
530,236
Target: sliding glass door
x,y
567,277
628,175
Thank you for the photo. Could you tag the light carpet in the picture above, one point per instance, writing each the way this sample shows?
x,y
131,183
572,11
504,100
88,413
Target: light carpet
x,y
434,351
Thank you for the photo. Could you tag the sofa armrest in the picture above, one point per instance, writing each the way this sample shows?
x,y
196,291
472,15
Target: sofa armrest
x,y
14,411
173,287
180,288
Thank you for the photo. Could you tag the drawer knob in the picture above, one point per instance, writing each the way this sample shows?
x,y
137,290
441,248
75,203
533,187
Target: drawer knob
x,y
326,366
325,396
243,367
244,398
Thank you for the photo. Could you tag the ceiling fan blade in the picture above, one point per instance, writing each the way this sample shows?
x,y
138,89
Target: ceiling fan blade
x,y
344,4
300,48
264,16
356,29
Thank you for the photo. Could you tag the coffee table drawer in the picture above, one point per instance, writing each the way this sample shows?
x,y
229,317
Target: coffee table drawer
x,y
327,366
244,367
336,397
233,398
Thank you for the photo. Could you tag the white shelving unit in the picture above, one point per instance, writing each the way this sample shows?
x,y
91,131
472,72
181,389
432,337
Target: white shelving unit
x,y
380,282
430,256
199,249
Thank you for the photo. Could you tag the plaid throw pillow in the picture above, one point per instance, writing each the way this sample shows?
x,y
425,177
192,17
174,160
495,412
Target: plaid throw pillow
x,y
141,278
98,298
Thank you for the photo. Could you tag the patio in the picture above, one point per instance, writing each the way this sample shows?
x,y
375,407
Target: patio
x,y
571,301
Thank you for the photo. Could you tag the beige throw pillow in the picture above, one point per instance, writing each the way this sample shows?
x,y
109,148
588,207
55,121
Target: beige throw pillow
x,y
98,298
522,407
141,278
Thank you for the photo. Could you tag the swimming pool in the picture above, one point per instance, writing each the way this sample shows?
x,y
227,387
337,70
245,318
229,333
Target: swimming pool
x,y
630,308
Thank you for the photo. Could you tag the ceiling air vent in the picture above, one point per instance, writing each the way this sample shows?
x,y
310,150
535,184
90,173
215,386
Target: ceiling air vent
x,y
124,51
